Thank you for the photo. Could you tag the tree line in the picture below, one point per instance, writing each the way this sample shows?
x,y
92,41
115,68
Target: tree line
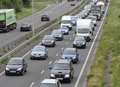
x,y
16,4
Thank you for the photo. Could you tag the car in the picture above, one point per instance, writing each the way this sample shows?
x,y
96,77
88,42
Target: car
x,y
48,41
26,27
16,65
64,30
62,70
45,18
79,42
71,54
39,52
94,19
50,83
57,34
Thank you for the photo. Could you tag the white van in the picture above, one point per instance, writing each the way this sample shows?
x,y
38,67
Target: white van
x,y
66,21
84,28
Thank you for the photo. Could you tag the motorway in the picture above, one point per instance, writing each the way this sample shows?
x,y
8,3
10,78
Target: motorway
x,y
58,9
38,70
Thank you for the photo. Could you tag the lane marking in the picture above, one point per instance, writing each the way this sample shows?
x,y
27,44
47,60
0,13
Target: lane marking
x,y
26,54
50,62
42,72
1,74
31,85
85,63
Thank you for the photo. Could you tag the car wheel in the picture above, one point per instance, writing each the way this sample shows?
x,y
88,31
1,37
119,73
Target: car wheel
x,y
22,72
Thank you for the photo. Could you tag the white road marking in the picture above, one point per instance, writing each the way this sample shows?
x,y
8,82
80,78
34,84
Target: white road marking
x,y
42,72
26,54
57,54
85,63
2,73
50,62
31,85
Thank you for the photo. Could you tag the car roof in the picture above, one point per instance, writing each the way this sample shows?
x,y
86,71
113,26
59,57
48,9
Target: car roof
x,y
49,81
62,61
78,36
72,49
47,36
56,31
16,58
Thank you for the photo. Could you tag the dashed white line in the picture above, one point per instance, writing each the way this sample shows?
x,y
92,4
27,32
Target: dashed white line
x,y
50,62
2,73
31,85
42,72
85,63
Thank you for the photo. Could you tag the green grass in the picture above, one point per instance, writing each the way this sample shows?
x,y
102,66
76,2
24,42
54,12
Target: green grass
x,y
110,41
38,5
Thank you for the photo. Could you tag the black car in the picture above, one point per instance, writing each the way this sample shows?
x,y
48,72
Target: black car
x,y
48,40
26,27
45,18
57,34
71,54
16,66
62,70
79,42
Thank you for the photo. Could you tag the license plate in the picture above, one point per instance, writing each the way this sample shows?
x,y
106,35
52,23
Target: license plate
x,y
60,78
13,71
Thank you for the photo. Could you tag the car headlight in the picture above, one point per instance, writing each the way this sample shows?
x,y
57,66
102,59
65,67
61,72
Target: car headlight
x,y
19,69
52,75
52,41
74,57
67,76
83,42
7,68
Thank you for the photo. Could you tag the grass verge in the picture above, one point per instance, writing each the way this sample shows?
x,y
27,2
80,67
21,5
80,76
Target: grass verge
x,y
110,41
38,5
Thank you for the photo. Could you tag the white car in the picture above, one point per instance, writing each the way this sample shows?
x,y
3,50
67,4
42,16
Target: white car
x,y
50,83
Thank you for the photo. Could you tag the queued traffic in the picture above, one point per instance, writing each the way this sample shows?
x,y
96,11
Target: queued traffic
x,y
83,24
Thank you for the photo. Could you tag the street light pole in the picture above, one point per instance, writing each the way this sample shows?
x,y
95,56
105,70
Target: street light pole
x,y
33,30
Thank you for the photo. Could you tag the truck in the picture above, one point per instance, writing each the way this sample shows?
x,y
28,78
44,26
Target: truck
x,y
7,20
84,28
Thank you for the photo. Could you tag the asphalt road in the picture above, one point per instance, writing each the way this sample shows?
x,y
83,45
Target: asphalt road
x,y
38,70
54,11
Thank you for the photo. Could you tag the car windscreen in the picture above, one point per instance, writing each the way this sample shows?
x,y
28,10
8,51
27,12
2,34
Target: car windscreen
x,y
79,39
48,38
66,21
15,62
69,52
83,30
61,67
38,49
47,85
56,32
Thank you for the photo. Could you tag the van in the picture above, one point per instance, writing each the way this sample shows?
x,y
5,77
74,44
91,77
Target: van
x,y
66,22
84,28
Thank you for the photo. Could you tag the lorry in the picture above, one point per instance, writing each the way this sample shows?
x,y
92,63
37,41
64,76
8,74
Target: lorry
x,y
84,28
7,20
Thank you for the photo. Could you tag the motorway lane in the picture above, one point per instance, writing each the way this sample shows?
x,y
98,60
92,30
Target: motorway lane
x,y
53,11
38,70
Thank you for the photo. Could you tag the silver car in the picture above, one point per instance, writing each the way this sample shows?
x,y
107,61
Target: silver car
x,y
79,42
39,52
48,40
57,34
